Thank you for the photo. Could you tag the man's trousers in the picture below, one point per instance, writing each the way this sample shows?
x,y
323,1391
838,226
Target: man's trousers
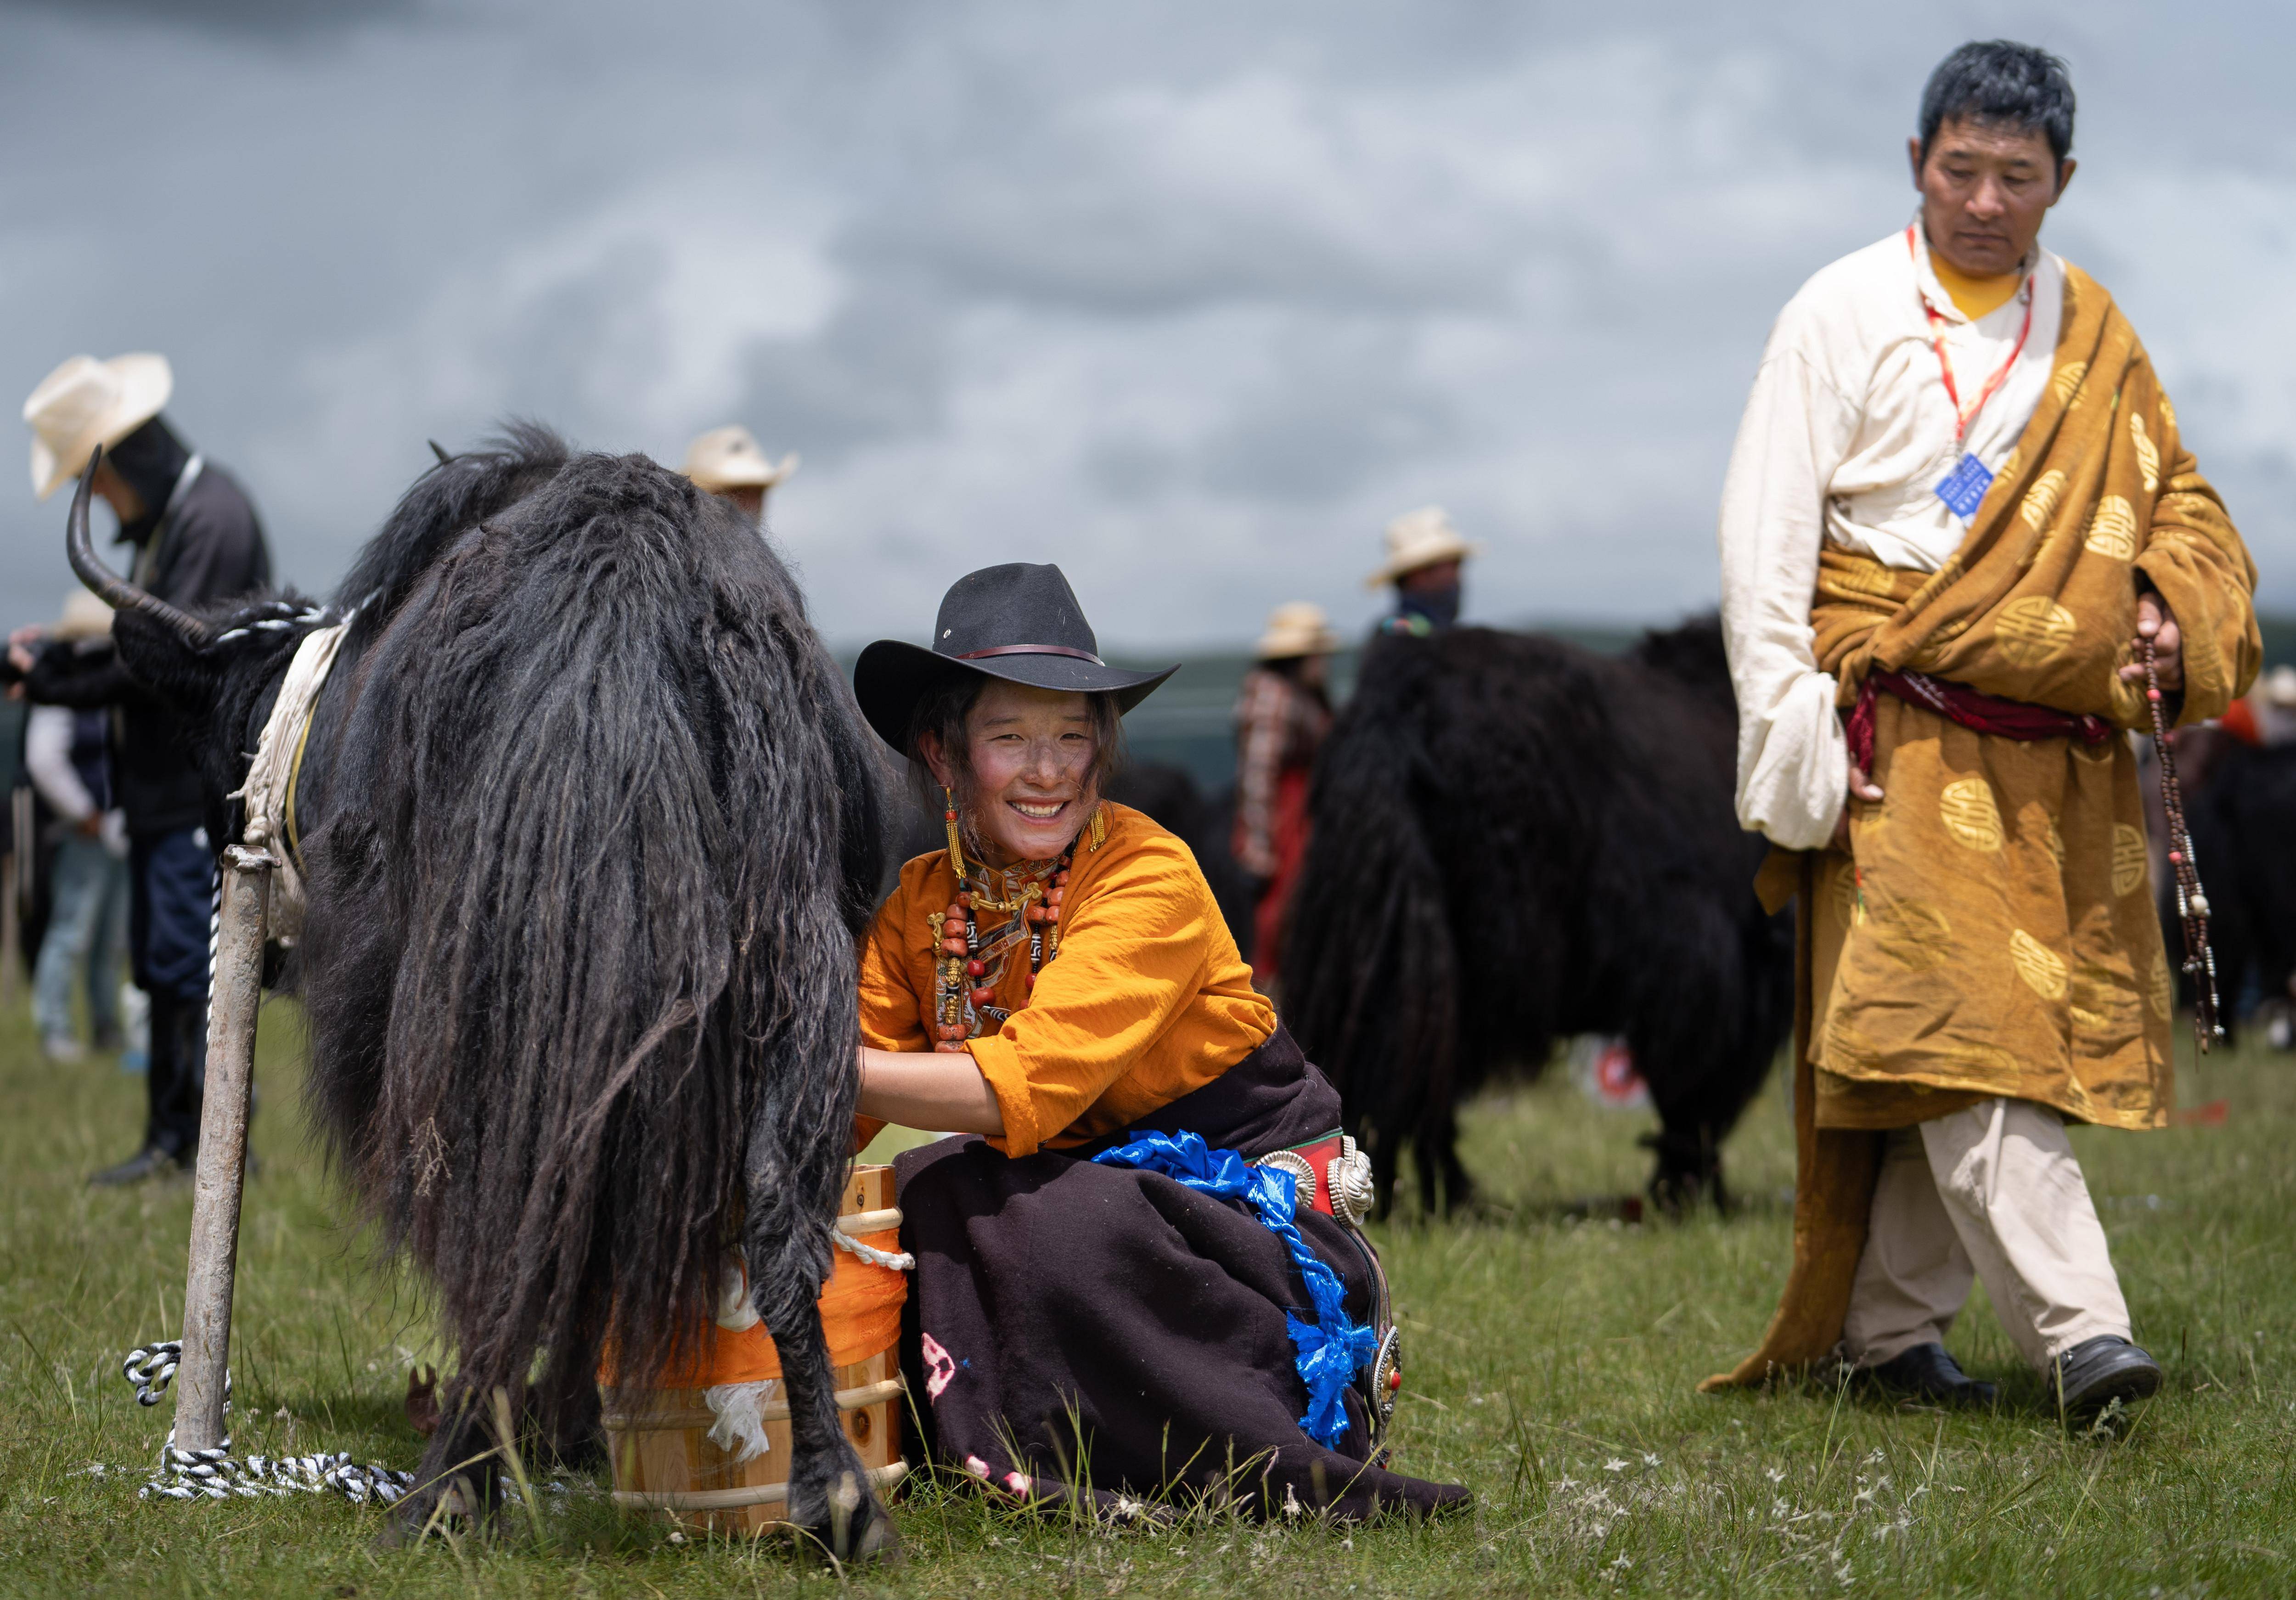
x,y
1991,1193
171,910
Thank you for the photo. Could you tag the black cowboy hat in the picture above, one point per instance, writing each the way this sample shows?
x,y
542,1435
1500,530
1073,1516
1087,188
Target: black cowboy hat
x,y
1019,622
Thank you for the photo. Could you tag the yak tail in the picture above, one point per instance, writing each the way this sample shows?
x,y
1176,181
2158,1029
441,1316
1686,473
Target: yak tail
x,y
1370,972
602,827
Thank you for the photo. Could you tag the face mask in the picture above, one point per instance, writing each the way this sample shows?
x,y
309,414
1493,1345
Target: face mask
x,y
1439,607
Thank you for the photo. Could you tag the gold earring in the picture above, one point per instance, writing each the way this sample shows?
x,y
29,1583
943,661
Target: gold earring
x,y
948,820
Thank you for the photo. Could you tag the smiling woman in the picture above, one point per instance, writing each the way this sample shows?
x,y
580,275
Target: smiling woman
x,y
1146,1279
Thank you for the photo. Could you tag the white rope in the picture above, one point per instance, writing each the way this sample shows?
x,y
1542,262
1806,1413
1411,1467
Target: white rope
x,y
902,1262
740,1409
216,1474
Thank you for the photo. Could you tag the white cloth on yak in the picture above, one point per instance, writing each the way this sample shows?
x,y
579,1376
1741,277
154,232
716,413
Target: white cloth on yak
x,y
1846,436
269,774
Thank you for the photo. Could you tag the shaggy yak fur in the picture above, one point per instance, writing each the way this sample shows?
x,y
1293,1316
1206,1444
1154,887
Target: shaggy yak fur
x,y
1515,841
590,824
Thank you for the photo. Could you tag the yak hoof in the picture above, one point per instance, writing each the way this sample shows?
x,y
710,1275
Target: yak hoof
x,y
412,1517
851,1525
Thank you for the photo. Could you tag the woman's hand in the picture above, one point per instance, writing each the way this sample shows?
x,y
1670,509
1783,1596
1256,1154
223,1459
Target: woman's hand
x,y
941,1092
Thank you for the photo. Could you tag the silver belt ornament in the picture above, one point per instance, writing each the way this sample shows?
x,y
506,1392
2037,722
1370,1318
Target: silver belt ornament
x,y
1347,1178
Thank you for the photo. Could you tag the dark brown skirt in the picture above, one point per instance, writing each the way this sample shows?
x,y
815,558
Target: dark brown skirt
x,y
1072,1326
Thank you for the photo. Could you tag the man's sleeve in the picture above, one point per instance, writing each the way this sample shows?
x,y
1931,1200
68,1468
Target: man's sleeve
x,y
1793,761
47,760
2196,558
84,680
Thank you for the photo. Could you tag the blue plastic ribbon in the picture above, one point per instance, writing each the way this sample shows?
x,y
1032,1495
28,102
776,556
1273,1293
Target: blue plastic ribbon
x,y
1332,1348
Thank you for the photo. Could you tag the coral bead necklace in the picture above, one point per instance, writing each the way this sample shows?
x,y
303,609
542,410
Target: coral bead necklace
x,y
1031,899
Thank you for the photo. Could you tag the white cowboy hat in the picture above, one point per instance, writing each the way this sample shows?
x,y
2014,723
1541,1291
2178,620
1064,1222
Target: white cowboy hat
x,y
85,403
1419,539
1296,628
728,457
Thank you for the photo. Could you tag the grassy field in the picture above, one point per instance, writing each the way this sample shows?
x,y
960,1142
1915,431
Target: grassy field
x,y
1551,1366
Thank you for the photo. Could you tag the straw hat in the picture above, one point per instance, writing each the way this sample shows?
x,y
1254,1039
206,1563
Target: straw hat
x,y
1296,628
1419,539
85,617
85,403
728,457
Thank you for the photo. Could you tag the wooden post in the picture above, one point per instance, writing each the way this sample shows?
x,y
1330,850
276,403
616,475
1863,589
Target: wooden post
x,y
235,991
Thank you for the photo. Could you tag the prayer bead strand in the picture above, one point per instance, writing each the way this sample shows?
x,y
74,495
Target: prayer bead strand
x,y
2192,903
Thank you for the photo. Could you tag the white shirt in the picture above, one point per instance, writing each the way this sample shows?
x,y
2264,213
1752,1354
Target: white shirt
x,y
47,762
1847,434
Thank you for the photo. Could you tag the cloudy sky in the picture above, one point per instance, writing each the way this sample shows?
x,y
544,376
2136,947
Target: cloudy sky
x,y
1190,296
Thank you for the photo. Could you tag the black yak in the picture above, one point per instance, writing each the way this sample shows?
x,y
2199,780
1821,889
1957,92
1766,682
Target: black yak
x,y
590,824
1518,840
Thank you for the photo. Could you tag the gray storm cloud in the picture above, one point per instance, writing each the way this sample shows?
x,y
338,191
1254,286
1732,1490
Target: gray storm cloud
x,y
1190,298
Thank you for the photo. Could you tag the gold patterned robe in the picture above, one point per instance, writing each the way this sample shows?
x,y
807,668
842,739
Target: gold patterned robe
x,y
1991,931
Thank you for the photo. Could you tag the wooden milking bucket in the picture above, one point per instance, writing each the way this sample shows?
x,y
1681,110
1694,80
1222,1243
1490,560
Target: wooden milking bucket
x,y
673,1450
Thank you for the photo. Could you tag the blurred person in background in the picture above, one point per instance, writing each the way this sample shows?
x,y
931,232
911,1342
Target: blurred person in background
x,y
1425,560
68,756
195,541
1282,711
727,462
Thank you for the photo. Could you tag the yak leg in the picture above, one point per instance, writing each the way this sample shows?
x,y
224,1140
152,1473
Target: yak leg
x,y
1444,1186
1458,1188
1375,1144
785,1238
568,1411
459,1471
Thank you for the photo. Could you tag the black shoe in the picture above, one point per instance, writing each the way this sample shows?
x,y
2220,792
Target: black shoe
x,y
147,1163
1926,1373
2098,1372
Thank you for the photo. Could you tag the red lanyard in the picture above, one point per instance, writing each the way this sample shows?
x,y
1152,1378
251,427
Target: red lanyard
x,y
1961,419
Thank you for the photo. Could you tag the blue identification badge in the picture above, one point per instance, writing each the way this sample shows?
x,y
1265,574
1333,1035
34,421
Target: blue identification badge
x,y
1962,489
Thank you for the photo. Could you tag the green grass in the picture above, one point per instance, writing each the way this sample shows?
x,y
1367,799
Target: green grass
x,y
1551,1366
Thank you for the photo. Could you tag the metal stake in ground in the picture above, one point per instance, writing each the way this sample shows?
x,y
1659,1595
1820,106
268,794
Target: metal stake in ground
x,y
233,993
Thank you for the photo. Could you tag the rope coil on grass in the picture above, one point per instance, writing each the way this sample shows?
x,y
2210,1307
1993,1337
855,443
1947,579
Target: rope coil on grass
x,y
216,1474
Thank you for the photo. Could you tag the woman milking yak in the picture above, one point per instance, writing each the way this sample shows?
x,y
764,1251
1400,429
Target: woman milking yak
x,y
1143,1279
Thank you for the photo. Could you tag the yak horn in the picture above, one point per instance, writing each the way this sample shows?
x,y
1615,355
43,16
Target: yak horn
x,y
439,450
107,586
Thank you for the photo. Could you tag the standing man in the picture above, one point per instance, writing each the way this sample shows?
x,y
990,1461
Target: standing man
x,y
1424,558
1959,509
727,462
196,541
1282,711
